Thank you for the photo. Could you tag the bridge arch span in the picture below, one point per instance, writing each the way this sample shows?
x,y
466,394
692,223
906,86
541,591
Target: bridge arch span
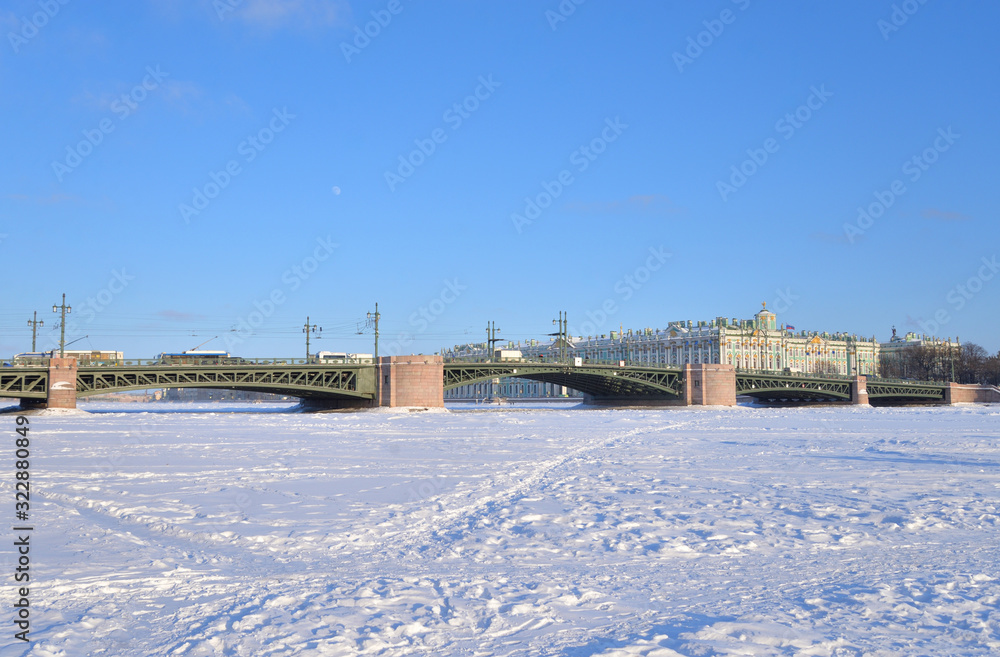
x,y
596,381
337,385
776,387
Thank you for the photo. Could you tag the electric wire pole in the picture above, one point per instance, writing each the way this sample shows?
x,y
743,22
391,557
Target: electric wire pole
x,y
62,324
34,324
373,319
562,334
491,339
307,329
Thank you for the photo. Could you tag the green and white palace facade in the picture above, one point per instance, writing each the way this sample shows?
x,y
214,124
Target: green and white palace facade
x,y
752,344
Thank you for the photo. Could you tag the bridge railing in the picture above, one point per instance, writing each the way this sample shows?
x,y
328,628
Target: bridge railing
x,y
633,363
189,362
801,375
916,382
215,362
554,361
25,362
822,375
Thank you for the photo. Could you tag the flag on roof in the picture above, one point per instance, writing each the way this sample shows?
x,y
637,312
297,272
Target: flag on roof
x,y
789,327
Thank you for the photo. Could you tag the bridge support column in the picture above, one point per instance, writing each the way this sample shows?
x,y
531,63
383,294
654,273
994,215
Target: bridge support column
x,y
706,384
62,383
411,381
859,391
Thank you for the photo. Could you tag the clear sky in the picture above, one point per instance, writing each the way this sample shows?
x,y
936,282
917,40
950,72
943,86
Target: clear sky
x,y
182,170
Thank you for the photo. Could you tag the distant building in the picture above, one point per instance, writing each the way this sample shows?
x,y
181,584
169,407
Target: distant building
x,y
936,355
754,344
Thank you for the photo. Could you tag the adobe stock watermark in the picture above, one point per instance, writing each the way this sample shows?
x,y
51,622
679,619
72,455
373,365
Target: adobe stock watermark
x,y
93,306
428,488
960,295
30,27
714,27
786,126
784,300
223,7
455,116
899,16
381,18
563,11
421,319
230,514
291,280
123,107
135,437
249,148
624,288
580,160
913,169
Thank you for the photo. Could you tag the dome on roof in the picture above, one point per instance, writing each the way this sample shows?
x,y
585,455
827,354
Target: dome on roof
x,y
766,319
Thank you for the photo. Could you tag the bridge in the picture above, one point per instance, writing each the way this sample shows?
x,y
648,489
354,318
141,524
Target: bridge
x,y
606,382
712,384
329,385
420,381
772,387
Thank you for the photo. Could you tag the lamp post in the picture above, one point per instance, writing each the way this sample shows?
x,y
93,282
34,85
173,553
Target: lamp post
x,y
784,349
951,350
765,354
63,308
307,329
34,324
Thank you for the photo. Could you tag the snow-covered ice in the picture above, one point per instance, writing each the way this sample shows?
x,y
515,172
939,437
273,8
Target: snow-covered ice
x,y
744,531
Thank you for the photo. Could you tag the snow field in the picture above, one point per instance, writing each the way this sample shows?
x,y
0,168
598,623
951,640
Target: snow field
x,y
823,531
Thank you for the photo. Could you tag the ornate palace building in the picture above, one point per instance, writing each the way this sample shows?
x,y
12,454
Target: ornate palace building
x,y
756,344
936,356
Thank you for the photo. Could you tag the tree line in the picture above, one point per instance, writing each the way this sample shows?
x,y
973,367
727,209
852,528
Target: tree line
x,y
971,362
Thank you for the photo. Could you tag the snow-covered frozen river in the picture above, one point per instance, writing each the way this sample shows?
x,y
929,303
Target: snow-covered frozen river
x,y
743,531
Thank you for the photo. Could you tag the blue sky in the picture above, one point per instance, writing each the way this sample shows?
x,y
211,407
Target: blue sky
x,y
182,170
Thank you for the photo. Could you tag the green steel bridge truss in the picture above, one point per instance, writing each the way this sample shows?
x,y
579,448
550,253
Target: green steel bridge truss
x,y
796,387
766,386
352,381
601,381
24,383
905,391
357,381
